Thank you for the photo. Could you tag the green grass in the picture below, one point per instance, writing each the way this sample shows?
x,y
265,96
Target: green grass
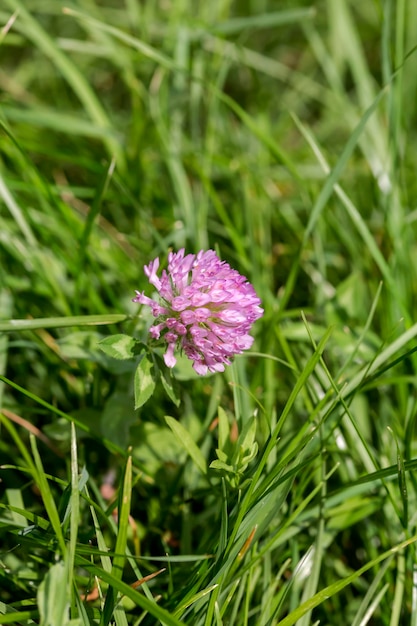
x,y
283,135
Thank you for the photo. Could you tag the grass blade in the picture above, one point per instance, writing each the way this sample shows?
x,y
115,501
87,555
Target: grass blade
x,y
185,439
335,588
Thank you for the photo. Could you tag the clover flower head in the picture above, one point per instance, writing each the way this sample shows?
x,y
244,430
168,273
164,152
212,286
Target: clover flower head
x,y
206,309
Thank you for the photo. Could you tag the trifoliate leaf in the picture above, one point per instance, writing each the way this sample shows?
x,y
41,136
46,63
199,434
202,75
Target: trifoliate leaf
x,y
144,382
120,346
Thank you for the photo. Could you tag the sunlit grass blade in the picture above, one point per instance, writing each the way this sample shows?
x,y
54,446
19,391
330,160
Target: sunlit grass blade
x,y
47,497
33,29
15,617
413,620
352,210
53,595
336,587
380,360
6,308
184,437
119,559
264,20
195,598
398,599
88,227
139,599
16,213
61,322
135,43
15,503
106,552
329,187
300,383
59,122
372,599
75,520
54,410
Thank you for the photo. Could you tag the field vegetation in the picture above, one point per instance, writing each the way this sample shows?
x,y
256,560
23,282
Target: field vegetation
x,y
282,135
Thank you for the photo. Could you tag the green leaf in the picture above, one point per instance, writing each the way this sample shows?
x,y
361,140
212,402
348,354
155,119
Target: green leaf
x,y
110,606
117,418
247,436
119,346
224,429
53,596
168,384
222,466
144,382
187,442
222,455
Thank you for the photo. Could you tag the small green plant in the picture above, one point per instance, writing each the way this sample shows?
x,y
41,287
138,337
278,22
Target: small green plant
x,y
233,458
